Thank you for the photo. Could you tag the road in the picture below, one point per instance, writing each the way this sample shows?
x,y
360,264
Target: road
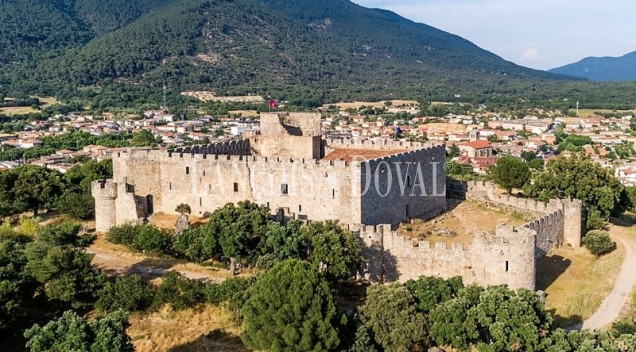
x,y
611,307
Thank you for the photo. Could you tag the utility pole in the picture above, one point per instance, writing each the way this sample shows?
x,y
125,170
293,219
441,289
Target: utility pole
x,y
165,106
577,109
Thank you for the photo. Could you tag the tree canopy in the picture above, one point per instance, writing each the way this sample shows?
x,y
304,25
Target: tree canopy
x,y
291,309
509,173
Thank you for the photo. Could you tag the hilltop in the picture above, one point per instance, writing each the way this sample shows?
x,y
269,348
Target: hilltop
x,y
328,50
602,68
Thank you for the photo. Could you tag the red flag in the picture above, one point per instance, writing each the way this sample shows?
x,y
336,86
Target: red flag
x,y
273,104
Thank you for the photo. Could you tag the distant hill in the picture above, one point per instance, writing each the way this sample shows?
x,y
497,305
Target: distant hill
x,y
320,50
602,69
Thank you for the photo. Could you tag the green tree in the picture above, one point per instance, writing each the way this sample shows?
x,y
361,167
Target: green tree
x,y
580,178
31,187
183,209
129,293
72,333
334,250
179,291
454,151
16,286
598,242
496,319
144,138
57,260
432,291
77,206
391,318
509,173
284,242
238,230
291,309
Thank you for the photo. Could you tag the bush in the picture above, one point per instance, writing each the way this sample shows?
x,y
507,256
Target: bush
x,y
152,240
179,291
129,293
189,245
598,243
595,221
123,234
217,293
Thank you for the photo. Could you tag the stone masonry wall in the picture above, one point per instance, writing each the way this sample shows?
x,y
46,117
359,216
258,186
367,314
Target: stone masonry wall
x,y
558,221
403,186
506,257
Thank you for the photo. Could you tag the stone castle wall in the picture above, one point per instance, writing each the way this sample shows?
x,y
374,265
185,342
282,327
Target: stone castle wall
x,y
558,222
507,257
403,186
294,135
388,144
152,181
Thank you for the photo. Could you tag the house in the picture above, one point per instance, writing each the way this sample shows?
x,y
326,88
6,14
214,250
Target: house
x,y
477,149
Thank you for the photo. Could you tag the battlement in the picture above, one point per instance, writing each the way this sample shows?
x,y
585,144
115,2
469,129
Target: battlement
x,y
104,189
505,257
413,152
376,144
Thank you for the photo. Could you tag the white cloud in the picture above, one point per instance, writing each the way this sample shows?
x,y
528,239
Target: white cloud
x,y
531,55
563,31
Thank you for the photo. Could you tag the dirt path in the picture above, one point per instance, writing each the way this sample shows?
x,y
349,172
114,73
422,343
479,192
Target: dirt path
x,y
117,260
611,307
114,263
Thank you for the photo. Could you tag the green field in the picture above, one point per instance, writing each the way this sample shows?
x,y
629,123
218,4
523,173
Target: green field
x,y
44,102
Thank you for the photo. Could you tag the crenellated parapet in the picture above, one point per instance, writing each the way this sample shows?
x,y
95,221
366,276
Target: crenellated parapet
x,y
504,257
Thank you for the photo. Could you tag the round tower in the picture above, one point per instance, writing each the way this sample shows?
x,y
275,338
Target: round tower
x,y
105,194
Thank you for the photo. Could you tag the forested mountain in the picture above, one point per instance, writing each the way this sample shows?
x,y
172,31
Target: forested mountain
x,y
38,28
325,50
602,68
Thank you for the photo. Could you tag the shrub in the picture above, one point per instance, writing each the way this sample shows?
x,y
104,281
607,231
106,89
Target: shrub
x,y
129,293
190,245
152,240
598,243
123,234
179,291
595,221
217,293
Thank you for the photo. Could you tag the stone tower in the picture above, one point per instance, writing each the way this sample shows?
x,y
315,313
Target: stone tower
x,y
572,229
105,194
508,257
473,135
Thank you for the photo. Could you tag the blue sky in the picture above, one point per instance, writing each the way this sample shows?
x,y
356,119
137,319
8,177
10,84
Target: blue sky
x,y
541,34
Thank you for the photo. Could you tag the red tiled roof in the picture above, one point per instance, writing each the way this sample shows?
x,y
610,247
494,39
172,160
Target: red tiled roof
x,y
479,144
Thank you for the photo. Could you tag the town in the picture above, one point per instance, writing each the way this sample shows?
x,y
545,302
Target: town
x,y
480,138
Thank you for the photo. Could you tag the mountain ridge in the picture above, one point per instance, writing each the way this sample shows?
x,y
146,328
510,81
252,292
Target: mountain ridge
x,y
603,69
327,50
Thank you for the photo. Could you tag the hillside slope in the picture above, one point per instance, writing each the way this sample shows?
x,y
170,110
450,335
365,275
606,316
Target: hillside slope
x,y
602,68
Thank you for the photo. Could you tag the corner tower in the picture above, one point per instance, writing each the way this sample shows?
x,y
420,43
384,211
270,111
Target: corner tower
x,y
105,194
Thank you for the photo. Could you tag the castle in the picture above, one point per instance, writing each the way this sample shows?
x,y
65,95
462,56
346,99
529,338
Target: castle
x,y
368,186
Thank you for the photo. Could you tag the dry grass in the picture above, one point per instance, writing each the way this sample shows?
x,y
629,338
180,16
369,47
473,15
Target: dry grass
x,y
576,283
379,104
591,112
190,330
44,102
465,218
245,113
168,221
118,259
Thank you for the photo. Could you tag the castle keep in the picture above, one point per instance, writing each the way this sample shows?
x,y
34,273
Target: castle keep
x,y
368,186
289,168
